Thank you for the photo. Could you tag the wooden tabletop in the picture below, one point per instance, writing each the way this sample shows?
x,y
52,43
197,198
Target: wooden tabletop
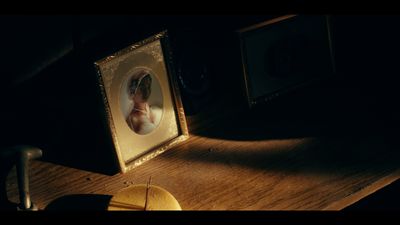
x,y
213,174
301,162
204,173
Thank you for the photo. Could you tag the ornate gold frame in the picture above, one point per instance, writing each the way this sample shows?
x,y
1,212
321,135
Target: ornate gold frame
x,y
183,133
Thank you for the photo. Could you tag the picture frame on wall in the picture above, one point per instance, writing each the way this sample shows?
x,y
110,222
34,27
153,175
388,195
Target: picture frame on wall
x,y
283,54
142,102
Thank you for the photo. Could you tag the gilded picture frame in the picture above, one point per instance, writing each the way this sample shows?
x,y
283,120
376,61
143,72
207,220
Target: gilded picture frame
x,y
142,102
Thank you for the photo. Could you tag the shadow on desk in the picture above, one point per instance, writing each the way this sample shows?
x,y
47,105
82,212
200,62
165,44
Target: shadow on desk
x,y
326,109
93,202
329,126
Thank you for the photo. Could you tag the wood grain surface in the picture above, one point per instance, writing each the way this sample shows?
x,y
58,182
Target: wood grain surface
x,y
212,174
296,155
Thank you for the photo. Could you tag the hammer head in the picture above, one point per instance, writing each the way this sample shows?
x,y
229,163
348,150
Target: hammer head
x,y
24,151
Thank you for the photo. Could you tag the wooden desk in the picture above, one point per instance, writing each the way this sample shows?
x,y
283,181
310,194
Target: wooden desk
x,y
214,174
237,166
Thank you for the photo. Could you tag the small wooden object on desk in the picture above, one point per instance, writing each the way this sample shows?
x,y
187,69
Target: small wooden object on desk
x,y
144,197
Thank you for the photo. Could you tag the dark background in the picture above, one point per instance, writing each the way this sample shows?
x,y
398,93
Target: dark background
x,y
50,98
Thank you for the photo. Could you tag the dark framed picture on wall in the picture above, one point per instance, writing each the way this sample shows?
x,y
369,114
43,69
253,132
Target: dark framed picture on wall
x,y
142,101
283,54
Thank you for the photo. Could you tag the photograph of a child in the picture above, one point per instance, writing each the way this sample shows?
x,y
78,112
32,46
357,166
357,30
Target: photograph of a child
x,y
144,113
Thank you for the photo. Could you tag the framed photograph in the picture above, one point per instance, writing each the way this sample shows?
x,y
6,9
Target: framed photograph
x,y
142,101
285,53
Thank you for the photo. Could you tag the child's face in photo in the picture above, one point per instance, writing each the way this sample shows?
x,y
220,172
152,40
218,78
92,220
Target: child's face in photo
x,y
138,97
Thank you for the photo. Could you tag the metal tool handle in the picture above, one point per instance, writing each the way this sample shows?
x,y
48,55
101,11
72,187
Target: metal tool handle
x,y
23,155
